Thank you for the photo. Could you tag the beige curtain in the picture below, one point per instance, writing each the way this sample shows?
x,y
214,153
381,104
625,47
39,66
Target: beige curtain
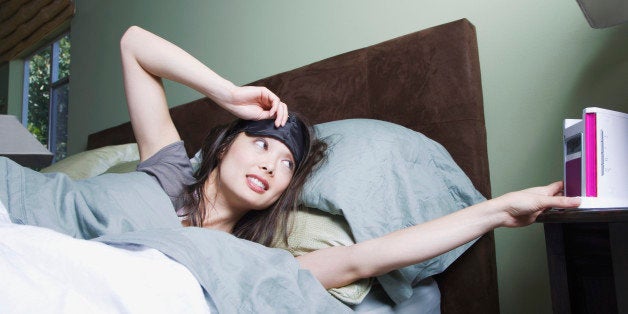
x,y
25,23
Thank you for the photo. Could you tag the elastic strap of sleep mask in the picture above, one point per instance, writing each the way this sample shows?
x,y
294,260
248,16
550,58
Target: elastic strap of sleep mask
x,y
294,134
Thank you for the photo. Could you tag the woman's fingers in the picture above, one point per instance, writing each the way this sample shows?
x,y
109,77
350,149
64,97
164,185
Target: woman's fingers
x,y
279,111
536,199
282,114
561,202
550,189
551,196
555,188
274,107
258,103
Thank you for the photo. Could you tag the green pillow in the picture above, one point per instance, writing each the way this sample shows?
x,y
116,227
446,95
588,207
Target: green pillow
x,y
314,230
384,177
91,163
127,166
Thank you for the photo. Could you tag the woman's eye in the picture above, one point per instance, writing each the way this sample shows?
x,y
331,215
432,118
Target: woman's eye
x,y
261,143
288,163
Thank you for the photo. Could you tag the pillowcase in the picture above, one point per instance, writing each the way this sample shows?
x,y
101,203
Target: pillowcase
x,y
93,162
314,230
124,167
384,177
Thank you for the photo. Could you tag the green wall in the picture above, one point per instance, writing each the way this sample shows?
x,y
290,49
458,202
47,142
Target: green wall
x,y
540,60
11,82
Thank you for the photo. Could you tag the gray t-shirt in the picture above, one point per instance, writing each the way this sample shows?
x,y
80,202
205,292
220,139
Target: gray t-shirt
x,y
172,169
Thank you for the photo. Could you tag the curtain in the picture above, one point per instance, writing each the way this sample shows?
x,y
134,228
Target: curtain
x,y
25,23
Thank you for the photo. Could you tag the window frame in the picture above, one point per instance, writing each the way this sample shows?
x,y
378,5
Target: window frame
x,y
53,83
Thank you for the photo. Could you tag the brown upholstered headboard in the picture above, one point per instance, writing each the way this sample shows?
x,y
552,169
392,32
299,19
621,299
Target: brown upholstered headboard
x,y
428,81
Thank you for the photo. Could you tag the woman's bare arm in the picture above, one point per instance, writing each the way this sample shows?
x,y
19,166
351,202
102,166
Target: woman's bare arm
x,y
339,266
147,58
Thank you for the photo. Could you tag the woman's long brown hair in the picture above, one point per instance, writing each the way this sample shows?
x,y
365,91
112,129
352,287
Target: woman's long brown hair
x,y
257,225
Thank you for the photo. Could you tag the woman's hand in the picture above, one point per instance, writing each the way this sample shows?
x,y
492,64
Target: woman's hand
x,y
255,103
522,207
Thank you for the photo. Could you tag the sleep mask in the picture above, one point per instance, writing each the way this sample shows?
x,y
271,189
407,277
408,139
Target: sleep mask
x,y
294,134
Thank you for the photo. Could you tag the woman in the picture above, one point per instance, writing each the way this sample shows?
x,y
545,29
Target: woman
x,y
256,165
276,172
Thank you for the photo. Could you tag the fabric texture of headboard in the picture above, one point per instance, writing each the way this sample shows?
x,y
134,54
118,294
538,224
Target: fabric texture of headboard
x,y
428,81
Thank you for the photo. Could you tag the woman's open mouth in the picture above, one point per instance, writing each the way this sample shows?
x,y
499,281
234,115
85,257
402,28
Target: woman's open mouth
x,y
256,183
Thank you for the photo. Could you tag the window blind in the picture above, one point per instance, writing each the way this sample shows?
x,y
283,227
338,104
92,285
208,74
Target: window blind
x,y
24,24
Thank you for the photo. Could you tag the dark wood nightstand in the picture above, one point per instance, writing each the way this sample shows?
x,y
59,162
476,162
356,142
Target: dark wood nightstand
x,y
587,252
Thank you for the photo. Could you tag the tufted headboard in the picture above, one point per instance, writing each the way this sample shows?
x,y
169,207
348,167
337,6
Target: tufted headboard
x,y
428,81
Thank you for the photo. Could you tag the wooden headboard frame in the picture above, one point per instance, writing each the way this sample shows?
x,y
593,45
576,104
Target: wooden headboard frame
x,y
428,81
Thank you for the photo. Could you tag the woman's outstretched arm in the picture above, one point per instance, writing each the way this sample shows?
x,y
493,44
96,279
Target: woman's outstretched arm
x,y
147,58
339,266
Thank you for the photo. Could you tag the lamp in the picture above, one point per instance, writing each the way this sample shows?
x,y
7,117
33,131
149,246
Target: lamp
x,y
19,145
604,13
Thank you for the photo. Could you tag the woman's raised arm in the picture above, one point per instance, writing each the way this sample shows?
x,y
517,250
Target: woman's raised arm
x,y
146,58
339,266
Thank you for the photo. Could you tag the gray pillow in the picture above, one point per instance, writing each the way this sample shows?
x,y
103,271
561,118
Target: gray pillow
x,y
384,177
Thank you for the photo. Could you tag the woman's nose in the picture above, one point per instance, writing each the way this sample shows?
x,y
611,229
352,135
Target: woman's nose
x,y
267,169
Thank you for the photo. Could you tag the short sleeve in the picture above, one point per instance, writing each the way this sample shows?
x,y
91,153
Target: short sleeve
x,y
172,169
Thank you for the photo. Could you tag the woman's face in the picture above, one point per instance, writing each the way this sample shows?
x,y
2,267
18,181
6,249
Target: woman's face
x,y
254,172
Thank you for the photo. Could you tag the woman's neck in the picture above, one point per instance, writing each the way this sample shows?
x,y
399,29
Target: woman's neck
x,y
218,212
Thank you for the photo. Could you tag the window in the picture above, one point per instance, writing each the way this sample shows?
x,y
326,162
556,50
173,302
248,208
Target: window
x,y
45,101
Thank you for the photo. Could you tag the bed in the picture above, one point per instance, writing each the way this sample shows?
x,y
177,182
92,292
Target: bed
x,y
427,82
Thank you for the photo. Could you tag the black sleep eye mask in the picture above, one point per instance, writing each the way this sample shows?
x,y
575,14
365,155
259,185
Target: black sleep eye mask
x,y
294,134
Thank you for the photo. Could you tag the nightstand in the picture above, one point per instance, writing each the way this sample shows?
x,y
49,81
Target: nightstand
x,y
587,252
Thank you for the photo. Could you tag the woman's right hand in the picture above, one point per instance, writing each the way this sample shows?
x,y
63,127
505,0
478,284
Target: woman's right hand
x,y
255,103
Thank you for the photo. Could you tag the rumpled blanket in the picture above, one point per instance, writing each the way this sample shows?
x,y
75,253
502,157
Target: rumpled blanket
x,y
237,276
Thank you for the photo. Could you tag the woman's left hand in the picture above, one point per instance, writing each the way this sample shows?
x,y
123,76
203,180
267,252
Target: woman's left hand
x,y
522,207
256,103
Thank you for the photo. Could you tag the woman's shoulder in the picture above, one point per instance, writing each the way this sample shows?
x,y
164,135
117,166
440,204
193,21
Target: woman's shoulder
x,y
172,169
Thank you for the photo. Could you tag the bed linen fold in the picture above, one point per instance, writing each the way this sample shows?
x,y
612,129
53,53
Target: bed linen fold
x,y
84,209
240,276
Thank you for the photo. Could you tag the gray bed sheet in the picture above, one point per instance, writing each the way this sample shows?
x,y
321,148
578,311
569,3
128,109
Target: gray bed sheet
x,y
425,299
